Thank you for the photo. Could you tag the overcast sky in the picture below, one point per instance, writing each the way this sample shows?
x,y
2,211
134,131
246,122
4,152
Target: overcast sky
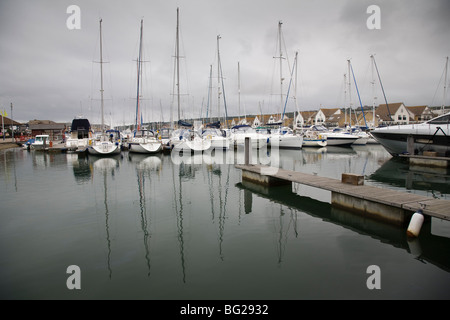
x,y
48,71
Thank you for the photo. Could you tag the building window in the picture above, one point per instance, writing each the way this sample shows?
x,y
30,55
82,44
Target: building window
x,y
399,117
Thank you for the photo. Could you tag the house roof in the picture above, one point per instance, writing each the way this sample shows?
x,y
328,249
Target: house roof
x,y
417,110
307,115
329,112
383,111
7,122
47,126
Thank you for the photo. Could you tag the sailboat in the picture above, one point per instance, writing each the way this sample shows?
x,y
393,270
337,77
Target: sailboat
x,y
143,140
213,131
104,144
284,137
185,138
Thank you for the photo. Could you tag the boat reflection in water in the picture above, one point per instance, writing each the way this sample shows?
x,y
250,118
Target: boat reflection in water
x,y
428,248
145,227
145,166
82,169
106,167
433,182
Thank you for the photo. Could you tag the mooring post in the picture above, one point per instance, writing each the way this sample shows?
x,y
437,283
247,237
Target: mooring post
x,y
247,154
410,144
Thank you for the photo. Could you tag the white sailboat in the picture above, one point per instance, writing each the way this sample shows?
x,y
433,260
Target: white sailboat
x,y
314,138
143,140
104,144
361,135
281,136
240,132
218,138
185,138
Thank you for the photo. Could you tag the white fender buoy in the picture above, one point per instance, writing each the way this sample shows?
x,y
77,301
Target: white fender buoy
x,y
415,224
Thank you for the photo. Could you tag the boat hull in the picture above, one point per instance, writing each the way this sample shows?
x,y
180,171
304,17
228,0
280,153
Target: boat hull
x,y
257,141
219,143
104,148
396,142
77,145
307,142
197,145
39,146
340,141
152,147
287,141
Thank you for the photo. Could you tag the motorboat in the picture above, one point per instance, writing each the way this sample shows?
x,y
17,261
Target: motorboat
x,y
41,142
80,135
144,141
363,137
431,135
335,138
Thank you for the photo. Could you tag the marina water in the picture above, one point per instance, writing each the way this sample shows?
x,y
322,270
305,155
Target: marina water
x,y
148,227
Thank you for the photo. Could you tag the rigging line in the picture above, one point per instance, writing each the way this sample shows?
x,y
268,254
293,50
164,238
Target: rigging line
x,y
139,69
438,86
223,91
354,79
382,88
289,88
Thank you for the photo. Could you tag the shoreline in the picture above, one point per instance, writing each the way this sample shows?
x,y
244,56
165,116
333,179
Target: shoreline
x,y
7,144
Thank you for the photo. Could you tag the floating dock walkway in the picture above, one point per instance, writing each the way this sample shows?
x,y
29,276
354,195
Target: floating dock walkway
x,y
350,193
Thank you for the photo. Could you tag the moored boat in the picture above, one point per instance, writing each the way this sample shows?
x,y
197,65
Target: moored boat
x,y
432,135
145,141
335,138
80,135
109,142
240,132
312,138
41,142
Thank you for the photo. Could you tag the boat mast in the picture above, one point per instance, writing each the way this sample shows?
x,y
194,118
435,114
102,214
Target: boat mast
x,y
218,78
139,69
373,91
239,93
349,95
345,98
208,108
177,55
295,89
445,85
281,64
101,78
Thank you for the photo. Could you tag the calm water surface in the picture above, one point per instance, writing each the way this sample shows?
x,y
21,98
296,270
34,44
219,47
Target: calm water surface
x,y
144,227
